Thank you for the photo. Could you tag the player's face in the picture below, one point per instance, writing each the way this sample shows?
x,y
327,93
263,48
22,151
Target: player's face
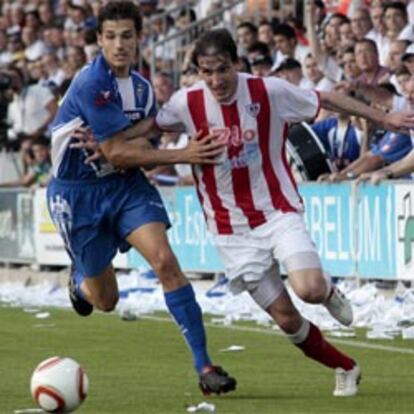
x,y
118,41
220,75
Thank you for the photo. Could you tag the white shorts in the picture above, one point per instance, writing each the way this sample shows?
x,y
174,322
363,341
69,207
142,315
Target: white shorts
x,y
251,256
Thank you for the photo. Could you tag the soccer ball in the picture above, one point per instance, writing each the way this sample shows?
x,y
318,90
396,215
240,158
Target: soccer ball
x,y
59,385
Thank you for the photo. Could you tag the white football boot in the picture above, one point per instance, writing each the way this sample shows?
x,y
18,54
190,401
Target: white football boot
x,y
346,382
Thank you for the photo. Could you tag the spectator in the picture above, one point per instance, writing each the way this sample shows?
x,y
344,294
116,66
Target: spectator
x,y
32,109
34,46
396,50
347,37
341,139
258,49
289,70
148,7
163,87
313,76
395,20
351,70
361,23
367,60
39,172
46,14
377,33
407,59
261,65
54,41
287,45
266,35
54,74
247,35
5,55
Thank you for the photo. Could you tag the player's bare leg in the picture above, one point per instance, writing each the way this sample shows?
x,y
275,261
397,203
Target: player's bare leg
x,y
101,291
152,242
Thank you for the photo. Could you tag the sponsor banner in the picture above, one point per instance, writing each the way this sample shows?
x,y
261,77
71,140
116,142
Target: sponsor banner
x,y
16,226
404,228
329,216
50,249
375,246
352,227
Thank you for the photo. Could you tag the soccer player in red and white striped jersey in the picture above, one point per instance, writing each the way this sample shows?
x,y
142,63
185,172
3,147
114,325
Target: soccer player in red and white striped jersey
x,y
250,199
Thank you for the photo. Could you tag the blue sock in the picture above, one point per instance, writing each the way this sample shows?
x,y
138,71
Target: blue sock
x,y
185,310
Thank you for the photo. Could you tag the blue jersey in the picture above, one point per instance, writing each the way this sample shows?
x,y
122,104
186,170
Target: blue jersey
x,y
341,149
96,98
392,147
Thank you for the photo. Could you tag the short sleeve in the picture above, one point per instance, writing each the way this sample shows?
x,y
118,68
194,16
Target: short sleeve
x,y
393,147
171,116
101,111
293,104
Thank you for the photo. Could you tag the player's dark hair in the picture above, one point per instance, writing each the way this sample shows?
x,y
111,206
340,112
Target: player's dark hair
x,y
215,42
119,10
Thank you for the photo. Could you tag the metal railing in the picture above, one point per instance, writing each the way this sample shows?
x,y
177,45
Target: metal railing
x,y
184,37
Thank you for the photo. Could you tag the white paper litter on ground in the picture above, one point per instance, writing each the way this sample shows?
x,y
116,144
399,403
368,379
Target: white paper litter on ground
x,y
42,315
384,313
202,407
233,348
408,333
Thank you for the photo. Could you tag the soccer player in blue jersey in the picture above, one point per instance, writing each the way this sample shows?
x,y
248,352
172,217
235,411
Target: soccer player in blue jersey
x,y
102,206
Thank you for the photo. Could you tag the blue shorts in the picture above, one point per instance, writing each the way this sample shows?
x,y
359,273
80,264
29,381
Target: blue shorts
x,y
95,217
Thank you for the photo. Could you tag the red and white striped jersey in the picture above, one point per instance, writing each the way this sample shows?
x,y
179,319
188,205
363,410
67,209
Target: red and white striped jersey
x,y
254,179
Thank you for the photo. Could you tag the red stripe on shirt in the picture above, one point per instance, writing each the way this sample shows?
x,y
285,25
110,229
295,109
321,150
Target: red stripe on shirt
x,y
285,161
259,94
196,106
240,176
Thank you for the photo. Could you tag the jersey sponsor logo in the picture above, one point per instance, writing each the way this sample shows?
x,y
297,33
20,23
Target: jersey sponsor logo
x,y
103,98
233,136
253,109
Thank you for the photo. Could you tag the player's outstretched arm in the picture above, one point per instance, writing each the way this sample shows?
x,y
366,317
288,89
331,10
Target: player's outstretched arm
x,y
125,154
395,121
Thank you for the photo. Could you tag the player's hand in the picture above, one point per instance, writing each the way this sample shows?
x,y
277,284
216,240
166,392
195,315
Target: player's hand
x,y
400,122
204,150
86,140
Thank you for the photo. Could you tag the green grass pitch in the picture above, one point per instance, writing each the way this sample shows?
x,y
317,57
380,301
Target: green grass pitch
x,y
144,367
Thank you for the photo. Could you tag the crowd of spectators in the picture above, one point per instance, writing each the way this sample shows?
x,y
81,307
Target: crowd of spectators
x,y
361,48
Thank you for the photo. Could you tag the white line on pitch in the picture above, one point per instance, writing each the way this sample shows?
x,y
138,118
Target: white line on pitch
x,y
355,344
